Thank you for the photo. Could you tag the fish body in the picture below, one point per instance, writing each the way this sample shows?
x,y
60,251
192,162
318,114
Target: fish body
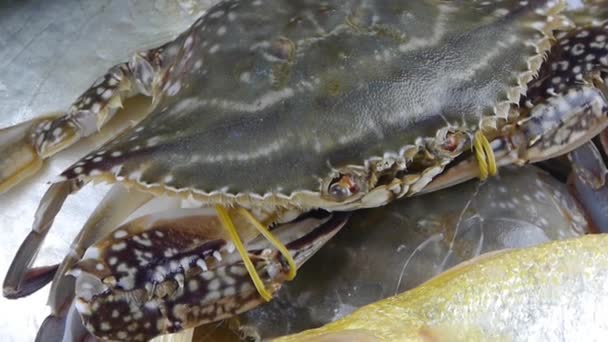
x,y
553,292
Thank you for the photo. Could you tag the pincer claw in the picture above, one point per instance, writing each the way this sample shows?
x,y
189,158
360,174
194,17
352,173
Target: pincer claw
x,y
177,269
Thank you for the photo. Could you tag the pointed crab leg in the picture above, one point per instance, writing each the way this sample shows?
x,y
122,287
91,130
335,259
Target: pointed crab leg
x,y
169,271
117,205
50,205
21,280
23,147
33,279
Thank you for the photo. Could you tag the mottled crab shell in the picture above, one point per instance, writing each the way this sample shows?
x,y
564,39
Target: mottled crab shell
x,y
162,273
269,101
577,53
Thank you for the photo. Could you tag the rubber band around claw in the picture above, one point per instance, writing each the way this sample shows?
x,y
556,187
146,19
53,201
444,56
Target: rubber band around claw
x,y
485,156
274,241
255,277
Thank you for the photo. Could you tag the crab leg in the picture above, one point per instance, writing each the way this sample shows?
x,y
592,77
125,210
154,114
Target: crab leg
x,y
588,184
33,279
50,205
589,166
66,326
169,271
23,147
114,209
21,279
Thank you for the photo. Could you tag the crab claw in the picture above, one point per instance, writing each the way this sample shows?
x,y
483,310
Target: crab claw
x,y
177,269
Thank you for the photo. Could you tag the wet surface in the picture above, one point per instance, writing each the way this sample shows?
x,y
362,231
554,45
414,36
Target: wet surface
x,y
50,52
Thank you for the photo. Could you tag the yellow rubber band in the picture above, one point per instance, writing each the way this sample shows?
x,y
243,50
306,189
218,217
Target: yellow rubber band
x,y
274,241
226,221
485,156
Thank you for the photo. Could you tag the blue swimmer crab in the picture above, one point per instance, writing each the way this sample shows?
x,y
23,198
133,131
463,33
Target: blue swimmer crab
x,y
342,105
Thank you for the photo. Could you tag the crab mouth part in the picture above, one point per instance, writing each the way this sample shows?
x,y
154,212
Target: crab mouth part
x,y
173,270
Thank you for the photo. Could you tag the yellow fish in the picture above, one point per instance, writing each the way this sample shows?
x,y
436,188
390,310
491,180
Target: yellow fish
x,y
553,292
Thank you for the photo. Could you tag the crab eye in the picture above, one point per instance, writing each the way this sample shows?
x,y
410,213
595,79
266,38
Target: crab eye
x,y
342,188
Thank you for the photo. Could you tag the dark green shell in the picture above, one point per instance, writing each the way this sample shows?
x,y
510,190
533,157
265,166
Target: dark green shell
x,y
268,96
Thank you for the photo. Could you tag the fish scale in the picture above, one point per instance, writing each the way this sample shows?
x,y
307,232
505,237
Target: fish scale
x,y
554,291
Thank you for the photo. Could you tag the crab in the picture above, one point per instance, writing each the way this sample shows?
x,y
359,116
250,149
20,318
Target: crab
x,y
268,111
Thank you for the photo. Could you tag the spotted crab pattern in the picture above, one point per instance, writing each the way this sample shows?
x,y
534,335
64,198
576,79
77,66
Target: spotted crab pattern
x,y
155,276
574,59
282,107
572,81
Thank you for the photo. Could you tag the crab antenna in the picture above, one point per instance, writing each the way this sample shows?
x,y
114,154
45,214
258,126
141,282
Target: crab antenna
x,y
274,241
226,221
485,156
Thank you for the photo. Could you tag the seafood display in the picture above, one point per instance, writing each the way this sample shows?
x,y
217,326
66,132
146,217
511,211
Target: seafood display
x,y
269,121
